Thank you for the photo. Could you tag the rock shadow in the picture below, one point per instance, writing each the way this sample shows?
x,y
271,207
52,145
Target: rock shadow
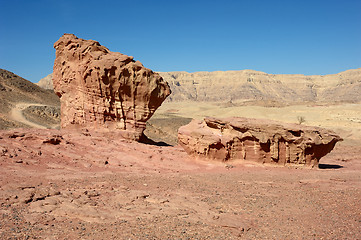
x,y
144,139
329,166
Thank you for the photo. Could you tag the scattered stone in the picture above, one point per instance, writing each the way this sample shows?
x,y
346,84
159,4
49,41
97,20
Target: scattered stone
x,y
55,140
229,166
3,151
16,135
92,193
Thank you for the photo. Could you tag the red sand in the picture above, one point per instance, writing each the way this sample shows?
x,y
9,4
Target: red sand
x,y
68,185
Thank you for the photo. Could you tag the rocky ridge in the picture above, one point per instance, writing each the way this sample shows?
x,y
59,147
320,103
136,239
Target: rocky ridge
x,y
250,85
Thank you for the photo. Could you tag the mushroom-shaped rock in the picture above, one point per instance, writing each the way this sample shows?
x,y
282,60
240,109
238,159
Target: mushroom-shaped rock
x,y
104,90
256,140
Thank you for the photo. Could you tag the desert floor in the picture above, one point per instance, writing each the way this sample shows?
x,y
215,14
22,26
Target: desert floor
x,y
57,184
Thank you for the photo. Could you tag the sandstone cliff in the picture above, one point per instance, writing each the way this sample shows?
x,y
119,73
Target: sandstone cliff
x,y
100,89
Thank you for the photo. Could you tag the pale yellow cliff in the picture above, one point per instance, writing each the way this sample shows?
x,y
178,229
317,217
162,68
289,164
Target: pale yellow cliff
x,y
254,85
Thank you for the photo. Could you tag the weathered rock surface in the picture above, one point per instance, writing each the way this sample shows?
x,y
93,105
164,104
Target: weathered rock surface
x,y
100,89
261,141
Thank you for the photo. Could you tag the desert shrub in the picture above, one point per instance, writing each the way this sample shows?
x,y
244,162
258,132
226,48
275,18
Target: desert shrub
x,y
301,119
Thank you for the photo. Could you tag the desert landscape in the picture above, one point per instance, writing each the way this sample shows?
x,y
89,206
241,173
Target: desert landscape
x,y
81,167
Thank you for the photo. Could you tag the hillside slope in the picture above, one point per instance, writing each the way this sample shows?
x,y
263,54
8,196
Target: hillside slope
x,y
15,90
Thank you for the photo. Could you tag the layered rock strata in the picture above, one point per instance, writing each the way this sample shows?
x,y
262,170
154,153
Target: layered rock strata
x,y
263,88
100,89
261,141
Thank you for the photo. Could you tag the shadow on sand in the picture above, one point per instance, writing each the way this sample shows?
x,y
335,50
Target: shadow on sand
x,y
144,139
329,166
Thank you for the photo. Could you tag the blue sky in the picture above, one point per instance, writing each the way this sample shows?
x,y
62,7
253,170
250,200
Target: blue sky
x,y
290,36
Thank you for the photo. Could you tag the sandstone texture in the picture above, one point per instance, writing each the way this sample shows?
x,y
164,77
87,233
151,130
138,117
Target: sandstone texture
x,y
100,89
255,140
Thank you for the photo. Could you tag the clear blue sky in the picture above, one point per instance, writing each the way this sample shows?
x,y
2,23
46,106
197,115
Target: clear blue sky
x,y
290,36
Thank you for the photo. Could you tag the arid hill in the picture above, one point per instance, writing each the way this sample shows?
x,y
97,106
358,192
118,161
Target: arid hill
x,y
18,94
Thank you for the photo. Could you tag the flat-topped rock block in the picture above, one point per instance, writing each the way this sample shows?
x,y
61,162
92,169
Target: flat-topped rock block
x,y
261,141
104,90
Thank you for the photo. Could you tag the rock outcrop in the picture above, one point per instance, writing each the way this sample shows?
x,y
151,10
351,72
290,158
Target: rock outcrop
x,y
256,140
100,89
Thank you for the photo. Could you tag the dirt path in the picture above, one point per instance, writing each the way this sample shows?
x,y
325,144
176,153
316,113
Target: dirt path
x,y
17,114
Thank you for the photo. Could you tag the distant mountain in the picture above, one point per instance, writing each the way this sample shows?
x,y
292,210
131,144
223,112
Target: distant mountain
x,y
250,85
46,82
15,90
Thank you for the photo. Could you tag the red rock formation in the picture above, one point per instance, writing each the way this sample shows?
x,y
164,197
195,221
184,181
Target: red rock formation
x,y
100,89
261,141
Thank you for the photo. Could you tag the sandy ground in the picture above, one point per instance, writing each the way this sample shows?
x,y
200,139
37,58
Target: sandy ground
x,y
82,185
56,185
